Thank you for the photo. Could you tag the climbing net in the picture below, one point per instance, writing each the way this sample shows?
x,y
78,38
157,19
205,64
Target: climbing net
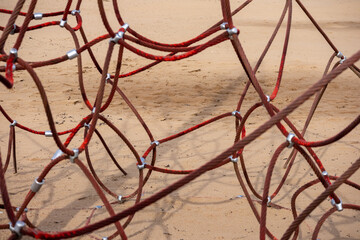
x,y
128,39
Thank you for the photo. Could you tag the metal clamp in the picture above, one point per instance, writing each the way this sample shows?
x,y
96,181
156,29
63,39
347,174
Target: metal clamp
x,y
14,51
73,12
13,123
125,26
93,110
13,67
25,209
157,143
38,16
341,56
76,154
108,77
343,60
234,160
35,187
48,134
62,22
268,99
104,238
232,32
13,30
268,201
142,166
119,198
223,25
235,112
338,206
17,228
57,154
325,173
86,125
289,138
117,37
72,54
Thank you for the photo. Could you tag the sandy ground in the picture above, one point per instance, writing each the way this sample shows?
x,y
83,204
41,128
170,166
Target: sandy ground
x,y
174,96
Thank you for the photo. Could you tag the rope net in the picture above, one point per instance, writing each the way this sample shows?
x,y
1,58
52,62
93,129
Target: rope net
x,y
75,144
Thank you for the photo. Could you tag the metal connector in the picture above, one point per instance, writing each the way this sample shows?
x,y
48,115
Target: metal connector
x,y
232,32
14,51
72,54
13,67
235,112
119,198
108,77
117,37
93,110
341,56
157,143
223,25
38,16
73,12
268,202
57,154
234,160
13,123
338,206
25,209
17,228
62,23
125,26
76,154
86,125
268,99
142,166
13,30
35,187
48,134
325,173
289,138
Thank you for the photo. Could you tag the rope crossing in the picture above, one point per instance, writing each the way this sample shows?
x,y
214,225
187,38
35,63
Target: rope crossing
x,y
125,38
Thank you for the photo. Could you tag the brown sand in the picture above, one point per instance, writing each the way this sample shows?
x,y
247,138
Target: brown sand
x,y
174,96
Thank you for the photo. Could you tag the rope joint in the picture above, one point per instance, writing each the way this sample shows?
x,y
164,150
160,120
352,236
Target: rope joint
x,y
62,23
235,112
76,154
73,12
14,51
13,67
224,26
234,160
142,166
120,34
157,143
13,30
17,228
341,56
289,138
13,123
339,206
268,201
